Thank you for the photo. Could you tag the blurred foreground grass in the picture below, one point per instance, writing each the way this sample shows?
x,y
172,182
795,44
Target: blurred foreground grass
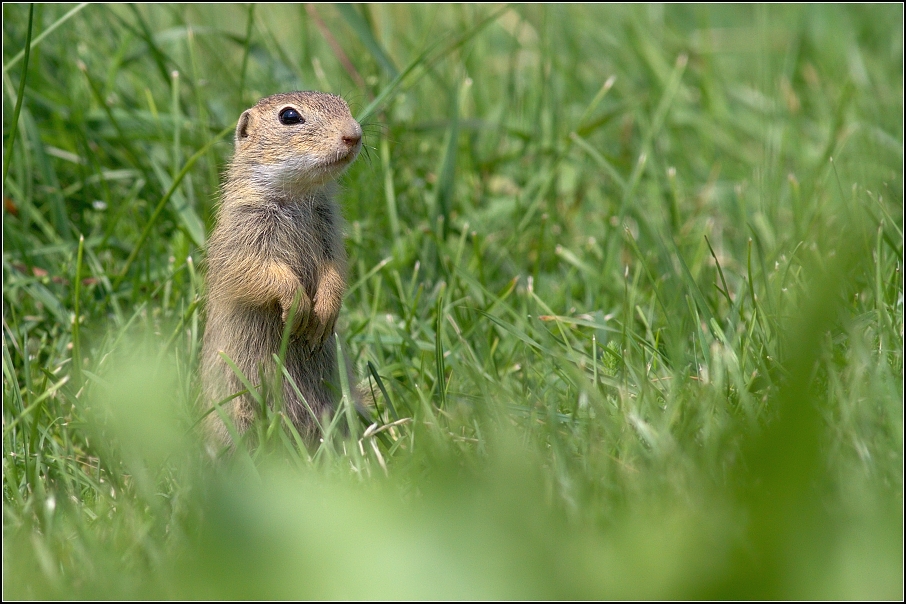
x,y
626,282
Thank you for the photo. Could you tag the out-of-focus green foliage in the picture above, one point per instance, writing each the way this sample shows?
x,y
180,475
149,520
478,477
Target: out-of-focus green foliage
x,y
625,283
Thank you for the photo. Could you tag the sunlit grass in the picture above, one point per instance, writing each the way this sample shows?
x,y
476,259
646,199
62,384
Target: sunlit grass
x,y
625,285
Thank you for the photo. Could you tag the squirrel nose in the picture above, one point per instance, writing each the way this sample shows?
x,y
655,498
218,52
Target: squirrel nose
x,y
353,136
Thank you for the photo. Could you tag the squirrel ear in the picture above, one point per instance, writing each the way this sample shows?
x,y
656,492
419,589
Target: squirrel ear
x,y
242,126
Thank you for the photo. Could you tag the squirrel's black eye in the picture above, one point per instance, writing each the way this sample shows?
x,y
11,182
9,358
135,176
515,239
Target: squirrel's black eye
x,y
290,116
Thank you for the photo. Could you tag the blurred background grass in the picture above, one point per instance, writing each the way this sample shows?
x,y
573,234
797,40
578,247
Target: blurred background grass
x,y
625,281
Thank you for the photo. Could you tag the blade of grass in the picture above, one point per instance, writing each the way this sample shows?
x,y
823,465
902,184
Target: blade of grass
x,y
76,340
20,94
389,189
242,378
348,402
720,271
377,378
292,384
439,349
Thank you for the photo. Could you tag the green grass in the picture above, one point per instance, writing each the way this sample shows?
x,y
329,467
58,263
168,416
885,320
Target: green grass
x,y
626,283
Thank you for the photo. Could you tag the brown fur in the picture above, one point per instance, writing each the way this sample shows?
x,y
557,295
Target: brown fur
x,y
278,240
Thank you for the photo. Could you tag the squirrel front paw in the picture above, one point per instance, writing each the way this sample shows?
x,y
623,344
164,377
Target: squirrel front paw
x,y
298,310
322,323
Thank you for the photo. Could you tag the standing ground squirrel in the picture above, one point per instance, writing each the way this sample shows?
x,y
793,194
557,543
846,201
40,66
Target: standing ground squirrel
x,y
279,241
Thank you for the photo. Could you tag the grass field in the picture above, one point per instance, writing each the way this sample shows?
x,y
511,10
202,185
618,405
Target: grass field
x,y
626,282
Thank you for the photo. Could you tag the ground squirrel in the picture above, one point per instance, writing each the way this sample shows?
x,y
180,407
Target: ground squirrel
x,y
278,241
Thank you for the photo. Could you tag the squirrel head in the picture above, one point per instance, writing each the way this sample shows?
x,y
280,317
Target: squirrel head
x,y
297,141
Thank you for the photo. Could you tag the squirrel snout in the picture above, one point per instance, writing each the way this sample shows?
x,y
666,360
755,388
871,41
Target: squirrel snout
x,y
353,136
